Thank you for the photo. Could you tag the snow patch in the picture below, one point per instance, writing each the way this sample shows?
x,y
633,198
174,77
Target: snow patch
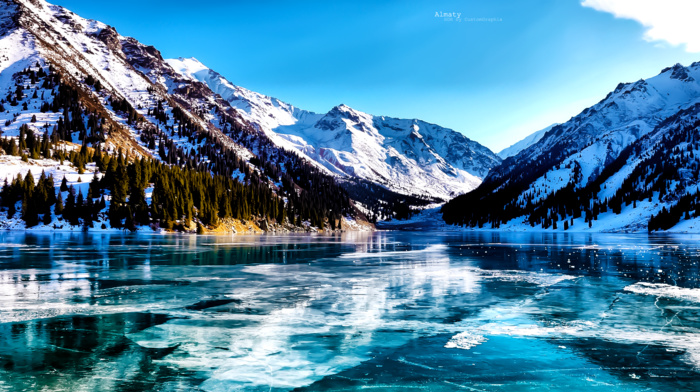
x,y
465,340
662,290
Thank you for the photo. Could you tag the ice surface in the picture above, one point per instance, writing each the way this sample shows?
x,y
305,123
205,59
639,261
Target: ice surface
x,y
374,310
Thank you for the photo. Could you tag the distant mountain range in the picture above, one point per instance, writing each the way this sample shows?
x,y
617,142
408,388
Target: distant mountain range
x,y
627,163
410,157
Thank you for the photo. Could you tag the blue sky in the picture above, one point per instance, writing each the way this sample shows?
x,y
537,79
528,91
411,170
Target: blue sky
x,y
538,63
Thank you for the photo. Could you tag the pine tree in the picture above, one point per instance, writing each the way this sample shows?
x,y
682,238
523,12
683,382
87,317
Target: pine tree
x,y
11,209
29,213
47,216
29,184
69,213
58,210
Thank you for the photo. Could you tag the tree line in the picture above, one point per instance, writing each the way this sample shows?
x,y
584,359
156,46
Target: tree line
x,y
199,184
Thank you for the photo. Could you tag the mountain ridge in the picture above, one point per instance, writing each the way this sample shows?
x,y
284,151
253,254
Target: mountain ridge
x,y
596,160
88,85
409,156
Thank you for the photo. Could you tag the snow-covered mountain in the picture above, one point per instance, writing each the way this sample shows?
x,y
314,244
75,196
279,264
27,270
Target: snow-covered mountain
x,y
78,82
524,143
623,116
39,34
410,157
598,158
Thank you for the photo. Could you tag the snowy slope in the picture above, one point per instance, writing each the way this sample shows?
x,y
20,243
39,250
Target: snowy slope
x,y
11,167
43,33
524,143
407,156
674,144
593,139
134,102
623,116
591,151
127,69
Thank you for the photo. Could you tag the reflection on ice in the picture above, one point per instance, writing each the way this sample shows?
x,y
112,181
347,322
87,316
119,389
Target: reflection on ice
x,y
304,326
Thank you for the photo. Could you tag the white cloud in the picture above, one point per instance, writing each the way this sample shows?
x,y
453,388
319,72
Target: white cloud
x,y
673,21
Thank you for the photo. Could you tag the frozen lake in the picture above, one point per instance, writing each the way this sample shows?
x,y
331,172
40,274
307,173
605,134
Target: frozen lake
x,y
391,311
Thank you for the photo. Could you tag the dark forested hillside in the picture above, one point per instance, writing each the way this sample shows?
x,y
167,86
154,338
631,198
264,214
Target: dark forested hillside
x,y
185,187
651,183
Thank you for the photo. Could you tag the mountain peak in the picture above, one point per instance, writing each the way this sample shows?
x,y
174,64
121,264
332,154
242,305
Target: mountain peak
x,y
346,111
406,156
679,72
190,61
343,108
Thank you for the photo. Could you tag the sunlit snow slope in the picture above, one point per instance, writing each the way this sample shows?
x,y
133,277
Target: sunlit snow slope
x,y
407,156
